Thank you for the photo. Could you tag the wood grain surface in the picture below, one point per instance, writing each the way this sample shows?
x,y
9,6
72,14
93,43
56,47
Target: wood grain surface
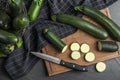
x,y
81,37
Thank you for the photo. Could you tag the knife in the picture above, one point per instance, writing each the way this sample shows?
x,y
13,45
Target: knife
x,y
60,62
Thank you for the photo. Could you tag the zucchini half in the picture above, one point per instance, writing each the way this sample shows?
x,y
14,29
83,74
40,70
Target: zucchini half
x,y
55,40
107,46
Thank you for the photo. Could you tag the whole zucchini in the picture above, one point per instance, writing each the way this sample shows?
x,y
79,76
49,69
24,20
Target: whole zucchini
x,y
4,20
107,23
82,24
7,48
16,7
7,37
35,8
107,46
54,40
20,22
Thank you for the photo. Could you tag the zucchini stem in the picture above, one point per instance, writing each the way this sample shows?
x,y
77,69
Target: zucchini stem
x,y
79,8
53,17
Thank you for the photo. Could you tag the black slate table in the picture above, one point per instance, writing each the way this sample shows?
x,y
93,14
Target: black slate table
x,y
39,71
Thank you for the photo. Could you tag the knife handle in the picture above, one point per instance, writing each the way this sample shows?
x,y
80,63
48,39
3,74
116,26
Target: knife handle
x,y
73,66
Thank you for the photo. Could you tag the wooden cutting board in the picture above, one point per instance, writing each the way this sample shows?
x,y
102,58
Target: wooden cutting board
x,y
81,37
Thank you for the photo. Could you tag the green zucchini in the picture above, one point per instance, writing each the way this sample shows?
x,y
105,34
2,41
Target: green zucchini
x,y
20,22
16,7
82,24
107,23
7,37
4,20
35,8
55,40
20,40
107,46
7,48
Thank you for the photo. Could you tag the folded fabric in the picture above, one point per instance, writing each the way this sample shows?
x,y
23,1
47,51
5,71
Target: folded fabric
x,y
20,62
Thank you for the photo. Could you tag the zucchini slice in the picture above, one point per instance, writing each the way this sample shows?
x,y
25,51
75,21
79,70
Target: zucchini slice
x,y
100,67
85,48
75,46
75,55
89,57
107,46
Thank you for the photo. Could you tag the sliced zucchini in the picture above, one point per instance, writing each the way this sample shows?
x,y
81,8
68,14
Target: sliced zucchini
x,y
85,48
75,55
89,57
75,46
64,49
100,67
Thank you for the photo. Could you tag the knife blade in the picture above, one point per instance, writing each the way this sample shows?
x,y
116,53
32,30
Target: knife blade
x,y
60,61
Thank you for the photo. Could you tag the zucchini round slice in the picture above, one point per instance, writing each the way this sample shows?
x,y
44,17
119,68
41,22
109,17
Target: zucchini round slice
x,y
75,46
75,55
89,56
85,48
100,67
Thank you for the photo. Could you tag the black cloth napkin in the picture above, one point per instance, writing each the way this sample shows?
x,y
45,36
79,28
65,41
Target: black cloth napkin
x,y
20,61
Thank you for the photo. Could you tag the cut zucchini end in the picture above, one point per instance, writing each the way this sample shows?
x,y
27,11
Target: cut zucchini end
x,y
85,48
53,17
75,55
64,49
75,46
89,57
100,67
99,46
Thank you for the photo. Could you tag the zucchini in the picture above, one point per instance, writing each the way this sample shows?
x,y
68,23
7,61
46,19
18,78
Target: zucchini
x,y
107,46
89,57
55,40
100,67
85,48
107,23
7,37
34,9
4,20
16,7
7,48
20,22
20,40
75,46
82,24
75,55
